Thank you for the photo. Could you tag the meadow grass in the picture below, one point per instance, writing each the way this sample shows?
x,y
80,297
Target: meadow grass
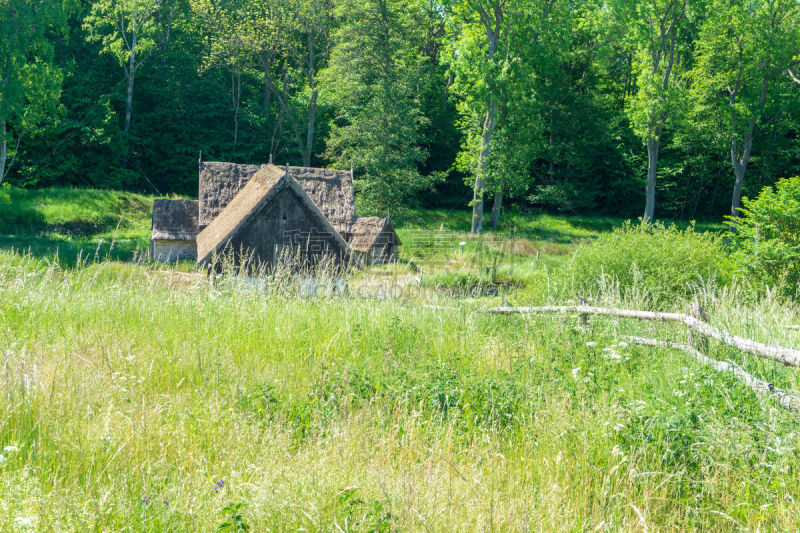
x,y
143,399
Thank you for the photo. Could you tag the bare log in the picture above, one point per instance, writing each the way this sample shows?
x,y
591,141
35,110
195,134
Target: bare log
x,y
787,356
785,398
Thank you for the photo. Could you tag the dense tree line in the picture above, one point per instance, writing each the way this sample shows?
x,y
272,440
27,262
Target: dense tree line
x,y
660,107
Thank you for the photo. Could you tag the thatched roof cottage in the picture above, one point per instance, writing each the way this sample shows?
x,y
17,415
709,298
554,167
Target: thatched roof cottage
x,y
374,240
174,225
270,215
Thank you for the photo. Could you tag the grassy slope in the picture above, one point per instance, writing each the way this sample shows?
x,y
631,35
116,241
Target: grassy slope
x,y
74,221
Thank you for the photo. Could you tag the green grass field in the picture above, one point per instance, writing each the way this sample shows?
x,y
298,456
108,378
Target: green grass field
x,y
141,397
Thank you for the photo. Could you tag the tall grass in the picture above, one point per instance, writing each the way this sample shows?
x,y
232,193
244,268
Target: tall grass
x,y
131,392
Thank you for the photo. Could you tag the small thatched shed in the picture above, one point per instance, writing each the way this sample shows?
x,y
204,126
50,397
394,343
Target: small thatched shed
x,y
271,212
174,227
374,239
330,190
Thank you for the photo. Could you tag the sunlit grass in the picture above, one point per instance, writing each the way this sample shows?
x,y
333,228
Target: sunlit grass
x,y
131,392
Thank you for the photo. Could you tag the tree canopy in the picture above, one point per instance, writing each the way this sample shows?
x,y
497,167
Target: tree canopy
x,y
666,108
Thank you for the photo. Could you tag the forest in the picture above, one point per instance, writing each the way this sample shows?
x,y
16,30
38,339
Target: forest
x,y
661,108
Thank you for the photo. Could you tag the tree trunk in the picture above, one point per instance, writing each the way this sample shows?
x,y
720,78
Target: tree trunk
x,y
493,36
653,145
736,198
498,205
740,161
131,76
483,163
312,117
3,149
236,99
267,92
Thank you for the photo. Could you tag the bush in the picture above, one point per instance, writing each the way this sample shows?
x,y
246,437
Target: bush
x,y
563,198
657,261
767,236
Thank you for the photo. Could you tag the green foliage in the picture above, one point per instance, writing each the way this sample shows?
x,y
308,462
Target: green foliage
x,y
767,236
373,75
658,263
234,520
30,82
400,91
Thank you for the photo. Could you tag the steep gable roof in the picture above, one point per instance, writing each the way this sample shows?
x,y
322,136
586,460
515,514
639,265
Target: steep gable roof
x,y
260,190
174,220
367,232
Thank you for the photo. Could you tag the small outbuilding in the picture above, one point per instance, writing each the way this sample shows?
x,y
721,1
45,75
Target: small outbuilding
x,y
374,240
174,225
270,215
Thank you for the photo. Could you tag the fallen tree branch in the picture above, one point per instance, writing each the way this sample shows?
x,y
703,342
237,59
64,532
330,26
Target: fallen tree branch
x,y
785,398
787,356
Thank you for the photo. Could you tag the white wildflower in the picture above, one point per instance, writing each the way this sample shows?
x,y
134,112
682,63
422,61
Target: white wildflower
x,y
618,427
10,449
575,372
591,344
23,522
3,460
611,353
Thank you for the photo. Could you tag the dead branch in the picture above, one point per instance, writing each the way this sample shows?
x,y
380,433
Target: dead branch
x,y
785,398
787,356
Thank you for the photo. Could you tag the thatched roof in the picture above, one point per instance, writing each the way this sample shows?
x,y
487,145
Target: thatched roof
x,y
370,231
219,183
262,188
175,220
331,190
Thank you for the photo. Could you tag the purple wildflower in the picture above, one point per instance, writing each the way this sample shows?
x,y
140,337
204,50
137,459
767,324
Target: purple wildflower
x,y
146,500
218,485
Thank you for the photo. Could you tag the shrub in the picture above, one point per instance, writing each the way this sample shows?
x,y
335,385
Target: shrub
x,y
767,236
657,261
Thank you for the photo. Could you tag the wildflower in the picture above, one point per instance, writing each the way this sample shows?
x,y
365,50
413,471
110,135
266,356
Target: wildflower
x,y
575,372
3,460
146,500
23,522
10,449
218,485
591,344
